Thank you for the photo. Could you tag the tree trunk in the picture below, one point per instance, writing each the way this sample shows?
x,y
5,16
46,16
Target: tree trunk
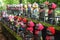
x,y
20,1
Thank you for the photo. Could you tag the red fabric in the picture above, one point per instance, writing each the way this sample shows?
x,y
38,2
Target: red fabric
x,y
24,20
15,17
54,5
36,32
48,37
31,24
49,11
20,19
51,29
41,27
30,29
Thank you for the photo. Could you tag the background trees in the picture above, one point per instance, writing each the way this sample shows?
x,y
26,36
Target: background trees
x,y
31,1
11,1
5,2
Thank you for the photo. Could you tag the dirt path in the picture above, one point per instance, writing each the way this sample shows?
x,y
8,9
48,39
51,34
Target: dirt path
x,y
2,37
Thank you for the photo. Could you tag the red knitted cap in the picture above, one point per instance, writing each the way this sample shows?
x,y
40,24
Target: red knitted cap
x,y
51,29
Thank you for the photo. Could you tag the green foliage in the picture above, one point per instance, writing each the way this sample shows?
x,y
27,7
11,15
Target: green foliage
x,y
32,1
10,31
55,1
11,1
45,24
2,8
58,3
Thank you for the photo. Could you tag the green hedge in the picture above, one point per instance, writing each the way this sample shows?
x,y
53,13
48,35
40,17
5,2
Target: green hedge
x,y
19,38
13,33
46,24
